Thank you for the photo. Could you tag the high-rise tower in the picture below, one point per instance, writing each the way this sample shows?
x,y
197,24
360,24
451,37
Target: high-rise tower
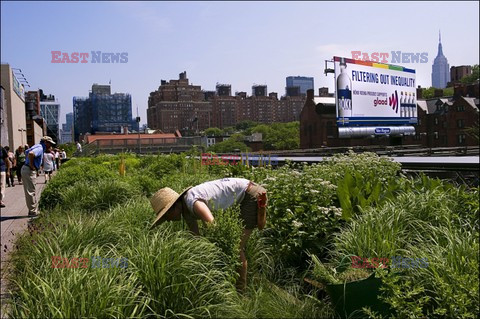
x,y
440,68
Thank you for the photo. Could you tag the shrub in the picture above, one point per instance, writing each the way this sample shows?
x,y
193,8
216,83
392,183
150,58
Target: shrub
x,y
182,275
100,196
77,172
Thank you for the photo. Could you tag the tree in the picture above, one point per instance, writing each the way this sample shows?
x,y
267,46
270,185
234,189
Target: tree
x,y
243,125
430,92
213,131
232,144
279,136
469,79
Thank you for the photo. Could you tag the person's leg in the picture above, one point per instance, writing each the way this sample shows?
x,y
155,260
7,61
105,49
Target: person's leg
x,y
7,178
3,177
242,280
29,178
19,173
12,178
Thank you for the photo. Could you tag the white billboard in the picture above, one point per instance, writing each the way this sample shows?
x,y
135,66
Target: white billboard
x,y
372,94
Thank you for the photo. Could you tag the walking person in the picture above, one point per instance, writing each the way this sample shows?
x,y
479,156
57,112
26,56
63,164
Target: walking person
x,y
79,148
197,203
57,159
20,161
11,158
48,163
4,166
33,162
63,156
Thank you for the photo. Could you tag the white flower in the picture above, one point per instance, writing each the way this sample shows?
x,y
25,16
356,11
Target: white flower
x,y
297,224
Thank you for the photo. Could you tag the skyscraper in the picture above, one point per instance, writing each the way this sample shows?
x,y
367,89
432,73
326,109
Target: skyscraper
x,y
298,85
440,68
102,112
50,111
67,129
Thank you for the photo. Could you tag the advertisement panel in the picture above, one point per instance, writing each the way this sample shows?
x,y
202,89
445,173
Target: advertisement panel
x,y
18,88
372,94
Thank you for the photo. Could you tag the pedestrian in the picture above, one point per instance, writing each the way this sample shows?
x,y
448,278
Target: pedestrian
x,y
197,203
63,156
11,158
48,163
57,158
4,166
33,162
79,147
20,161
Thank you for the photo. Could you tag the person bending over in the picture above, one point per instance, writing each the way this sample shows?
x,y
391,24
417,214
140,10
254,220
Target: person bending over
x,y
198,203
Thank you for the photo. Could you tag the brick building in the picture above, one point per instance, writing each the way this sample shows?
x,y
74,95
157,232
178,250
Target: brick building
x,y
458,72
178,105
442,122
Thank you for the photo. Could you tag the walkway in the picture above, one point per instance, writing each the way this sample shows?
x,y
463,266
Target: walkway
x,y
13,221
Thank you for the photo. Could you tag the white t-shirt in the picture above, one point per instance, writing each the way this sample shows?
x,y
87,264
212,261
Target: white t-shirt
x,y
48,159
217,194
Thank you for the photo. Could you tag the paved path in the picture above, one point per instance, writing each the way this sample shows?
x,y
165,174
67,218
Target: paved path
x,y
13,221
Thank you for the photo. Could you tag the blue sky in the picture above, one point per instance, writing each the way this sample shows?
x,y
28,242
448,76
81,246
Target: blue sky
x,y
237,43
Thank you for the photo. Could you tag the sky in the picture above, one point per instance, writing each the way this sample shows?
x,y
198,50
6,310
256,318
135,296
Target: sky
x,y
233,42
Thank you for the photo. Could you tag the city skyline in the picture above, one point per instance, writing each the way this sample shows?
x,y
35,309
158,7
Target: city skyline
x,y
236,43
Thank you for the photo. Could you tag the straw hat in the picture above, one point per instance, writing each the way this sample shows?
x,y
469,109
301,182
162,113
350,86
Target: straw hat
x,y
162,201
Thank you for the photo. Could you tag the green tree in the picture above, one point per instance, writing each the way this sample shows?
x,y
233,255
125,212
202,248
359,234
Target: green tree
x,y
243,125
279,136
213,131
430,92
469,79
232,144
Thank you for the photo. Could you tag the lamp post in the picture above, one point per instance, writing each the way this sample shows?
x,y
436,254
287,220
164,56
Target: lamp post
x,y
21,133
138,130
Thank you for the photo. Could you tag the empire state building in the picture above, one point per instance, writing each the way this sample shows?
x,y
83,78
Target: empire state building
x,y
440,68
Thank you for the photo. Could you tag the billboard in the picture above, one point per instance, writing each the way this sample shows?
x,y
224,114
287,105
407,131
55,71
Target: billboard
x,y
374,94
18,88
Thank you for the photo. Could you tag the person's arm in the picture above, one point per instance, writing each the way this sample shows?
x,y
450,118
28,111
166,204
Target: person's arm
x,y
201,210
193,226
31,159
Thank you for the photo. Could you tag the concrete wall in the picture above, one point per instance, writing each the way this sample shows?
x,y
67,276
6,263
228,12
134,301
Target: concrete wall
x,y
37,132
15,108
3,119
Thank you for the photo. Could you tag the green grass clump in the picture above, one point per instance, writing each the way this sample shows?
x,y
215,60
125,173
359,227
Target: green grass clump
x,y
82,172
98,196
182,275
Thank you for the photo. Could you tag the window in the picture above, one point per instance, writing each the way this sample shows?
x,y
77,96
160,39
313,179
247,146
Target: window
x,y
460,108
460,123
461,138
435,121
435,135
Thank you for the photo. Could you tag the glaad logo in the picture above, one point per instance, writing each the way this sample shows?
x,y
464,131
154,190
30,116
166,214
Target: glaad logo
x,y
96,57
397,57
393,101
